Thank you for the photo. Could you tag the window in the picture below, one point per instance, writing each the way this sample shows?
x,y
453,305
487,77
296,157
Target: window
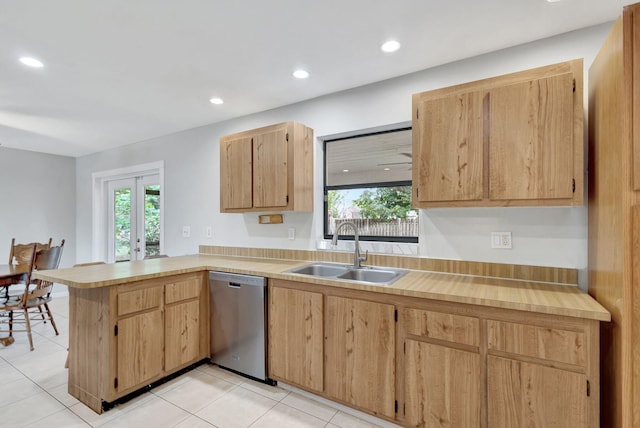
x,y
368,182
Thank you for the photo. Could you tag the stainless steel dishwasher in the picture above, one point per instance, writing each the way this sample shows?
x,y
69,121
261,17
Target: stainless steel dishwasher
x,y
238,323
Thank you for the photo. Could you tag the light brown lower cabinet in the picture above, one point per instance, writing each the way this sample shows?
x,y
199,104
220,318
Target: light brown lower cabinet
x,y
442,386
139,349
542,374
522,394
296,330
182,319
128,336
426,363
138,333
360,354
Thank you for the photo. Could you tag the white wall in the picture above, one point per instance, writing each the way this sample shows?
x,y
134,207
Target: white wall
x,y
541,236
37,193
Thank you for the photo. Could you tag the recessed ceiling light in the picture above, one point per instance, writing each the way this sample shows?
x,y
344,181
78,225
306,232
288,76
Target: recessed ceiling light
x,y
553,1
390,46
301,74
31,62
386,169
216,101
345,170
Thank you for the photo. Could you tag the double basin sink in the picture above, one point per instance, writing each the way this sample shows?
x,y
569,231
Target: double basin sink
x,y
364,274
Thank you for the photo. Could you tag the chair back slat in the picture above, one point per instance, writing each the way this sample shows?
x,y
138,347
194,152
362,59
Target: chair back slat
x,y
20,254
31,256
44,260
49,258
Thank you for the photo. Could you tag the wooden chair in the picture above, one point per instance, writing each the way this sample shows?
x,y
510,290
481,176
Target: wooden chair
x,y
19,254
27,307
7,303
44,263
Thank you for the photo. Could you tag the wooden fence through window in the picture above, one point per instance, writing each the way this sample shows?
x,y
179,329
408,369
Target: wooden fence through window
x,y
378,227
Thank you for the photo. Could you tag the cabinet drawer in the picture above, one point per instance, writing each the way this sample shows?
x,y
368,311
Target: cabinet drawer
x,y
553,344
182,290
438,325
139,300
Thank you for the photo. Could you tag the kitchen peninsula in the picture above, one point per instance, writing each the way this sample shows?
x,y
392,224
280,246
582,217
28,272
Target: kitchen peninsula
x,y
449,343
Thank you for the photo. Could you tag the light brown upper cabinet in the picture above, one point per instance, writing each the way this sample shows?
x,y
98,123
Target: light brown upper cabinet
x,y
267,169
512,140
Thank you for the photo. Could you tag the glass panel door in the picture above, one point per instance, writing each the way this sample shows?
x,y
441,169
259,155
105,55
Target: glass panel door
x,y
134,218
149,218
122,220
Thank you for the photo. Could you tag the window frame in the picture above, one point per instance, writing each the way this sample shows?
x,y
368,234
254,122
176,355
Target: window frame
x,y
326,189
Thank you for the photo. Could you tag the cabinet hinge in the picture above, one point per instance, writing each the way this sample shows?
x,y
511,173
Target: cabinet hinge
x,y
588,389
573,185
115,383
574,85
287,134
115,330
396,406
395,315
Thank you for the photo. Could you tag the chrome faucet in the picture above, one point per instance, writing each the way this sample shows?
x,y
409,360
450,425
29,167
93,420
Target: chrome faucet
x,y
356,253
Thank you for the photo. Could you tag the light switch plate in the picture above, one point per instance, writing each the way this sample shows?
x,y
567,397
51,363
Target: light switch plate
x,y
186,231
501,240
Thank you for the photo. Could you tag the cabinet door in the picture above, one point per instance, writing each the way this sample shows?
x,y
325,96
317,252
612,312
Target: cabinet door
x,y
236,173
448,148
296,337
531,153
522,394
360,354
140,349
182,334
270,169
634,30
442,386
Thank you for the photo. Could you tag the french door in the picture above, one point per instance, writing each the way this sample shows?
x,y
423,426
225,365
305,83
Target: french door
x,y
133,218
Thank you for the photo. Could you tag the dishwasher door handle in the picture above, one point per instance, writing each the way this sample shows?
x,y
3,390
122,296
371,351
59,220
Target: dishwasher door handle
x,y
234,285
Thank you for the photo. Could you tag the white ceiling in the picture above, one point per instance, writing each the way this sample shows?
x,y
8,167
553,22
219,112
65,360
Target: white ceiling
x,y
122,71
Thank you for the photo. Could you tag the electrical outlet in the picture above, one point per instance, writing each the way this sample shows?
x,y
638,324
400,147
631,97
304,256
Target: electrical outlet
x,y
186,231
292,233
209,232
501,240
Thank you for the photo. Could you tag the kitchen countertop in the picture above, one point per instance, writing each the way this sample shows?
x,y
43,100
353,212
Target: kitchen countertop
x,y
541,297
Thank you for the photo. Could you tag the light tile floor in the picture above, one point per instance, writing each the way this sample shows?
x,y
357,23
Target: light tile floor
x,y
34,393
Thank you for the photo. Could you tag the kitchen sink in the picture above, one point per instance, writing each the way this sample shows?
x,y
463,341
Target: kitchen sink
x,y
321,269
371,275
365,274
